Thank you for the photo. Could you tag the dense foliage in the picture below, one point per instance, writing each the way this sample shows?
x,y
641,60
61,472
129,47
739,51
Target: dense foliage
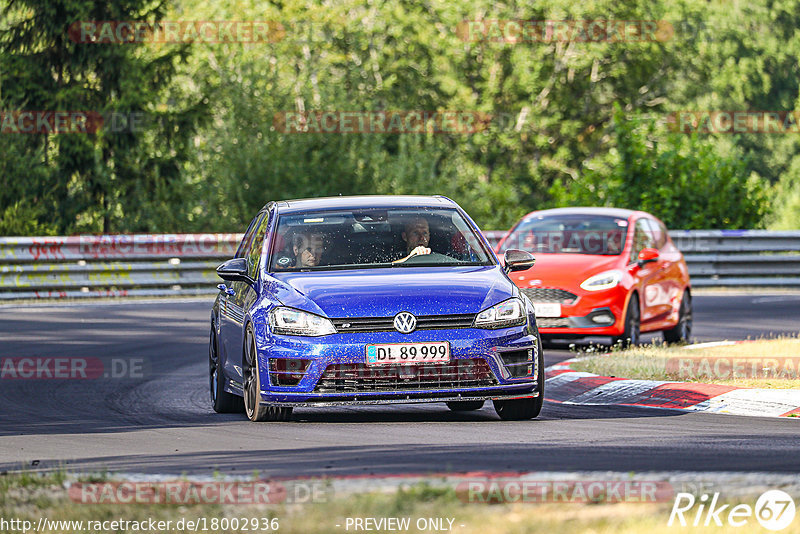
x,y
572,122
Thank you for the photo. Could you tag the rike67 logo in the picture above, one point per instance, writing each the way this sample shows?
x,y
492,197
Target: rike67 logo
x,y
774,510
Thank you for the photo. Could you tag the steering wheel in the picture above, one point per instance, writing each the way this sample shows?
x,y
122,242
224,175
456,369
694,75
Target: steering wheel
x,y
433,257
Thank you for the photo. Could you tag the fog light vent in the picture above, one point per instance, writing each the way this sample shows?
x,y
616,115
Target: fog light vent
x,y
287,371
518,363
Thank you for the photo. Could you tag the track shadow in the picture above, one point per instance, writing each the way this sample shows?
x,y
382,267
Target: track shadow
x,y
400,414
701,453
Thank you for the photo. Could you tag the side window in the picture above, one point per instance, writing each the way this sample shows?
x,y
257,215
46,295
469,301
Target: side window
x,y
244,246
254,254
642,238
657,231
664,232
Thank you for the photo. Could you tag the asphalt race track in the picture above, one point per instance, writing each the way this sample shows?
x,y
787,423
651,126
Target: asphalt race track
x,y
161,422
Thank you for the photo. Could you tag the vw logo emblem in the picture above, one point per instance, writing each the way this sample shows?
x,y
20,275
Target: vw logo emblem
x,y
405,323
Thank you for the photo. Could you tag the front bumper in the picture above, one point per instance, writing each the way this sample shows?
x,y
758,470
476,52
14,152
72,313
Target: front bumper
x,y
577,316
407,399
490,352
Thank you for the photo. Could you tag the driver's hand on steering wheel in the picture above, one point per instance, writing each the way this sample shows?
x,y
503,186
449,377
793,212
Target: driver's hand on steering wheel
x,y
418,251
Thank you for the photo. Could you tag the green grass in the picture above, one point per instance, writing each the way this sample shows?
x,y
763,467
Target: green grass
x,y
660,362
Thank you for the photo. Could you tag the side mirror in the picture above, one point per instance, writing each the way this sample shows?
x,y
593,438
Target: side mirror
x,y
518,260
647,255
235,270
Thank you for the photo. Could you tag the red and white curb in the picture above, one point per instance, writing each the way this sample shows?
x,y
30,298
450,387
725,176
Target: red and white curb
x,y
565,386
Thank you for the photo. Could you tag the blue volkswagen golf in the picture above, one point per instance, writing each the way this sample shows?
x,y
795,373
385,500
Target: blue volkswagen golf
x,y
372,300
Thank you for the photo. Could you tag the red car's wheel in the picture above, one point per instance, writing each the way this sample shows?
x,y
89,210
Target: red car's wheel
x,y
682,331
631,336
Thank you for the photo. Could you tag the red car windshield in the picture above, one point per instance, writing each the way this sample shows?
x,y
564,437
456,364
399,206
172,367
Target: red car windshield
x,y
569,234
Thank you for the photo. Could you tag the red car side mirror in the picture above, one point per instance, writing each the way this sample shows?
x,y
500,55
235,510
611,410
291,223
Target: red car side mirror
x,y
647,255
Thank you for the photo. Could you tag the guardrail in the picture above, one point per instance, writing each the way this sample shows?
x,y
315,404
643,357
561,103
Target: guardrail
x,y
183,264
112,265
735,258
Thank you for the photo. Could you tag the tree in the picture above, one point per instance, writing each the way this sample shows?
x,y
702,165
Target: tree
x,y
680,179
121,177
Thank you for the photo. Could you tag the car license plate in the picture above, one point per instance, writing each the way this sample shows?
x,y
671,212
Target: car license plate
x,y
547,309
394,353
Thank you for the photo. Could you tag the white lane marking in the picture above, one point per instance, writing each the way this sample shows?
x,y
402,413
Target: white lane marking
x,y
781,298
617,392
711,344
99,303
564,378
760,402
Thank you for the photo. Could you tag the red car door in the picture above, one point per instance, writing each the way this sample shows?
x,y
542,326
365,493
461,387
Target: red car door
x,y
651,277
673,278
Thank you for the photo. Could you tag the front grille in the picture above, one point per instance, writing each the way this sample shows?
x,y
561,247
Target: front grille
x,y
553,322
549,294
386,324
361,378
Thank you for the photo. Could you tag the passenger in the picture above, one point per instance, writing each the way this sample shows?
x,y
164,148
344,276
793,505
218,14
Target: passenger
x,y
417,235
308,248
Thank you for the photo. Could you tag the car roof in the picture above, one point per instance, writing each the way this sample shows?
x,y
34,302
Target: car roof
x,y
364,202
613,212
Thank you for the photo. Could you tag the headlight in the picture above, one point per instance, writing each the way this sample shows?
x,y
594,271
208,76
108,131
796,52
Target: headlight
x,y
510,312
299,323
604,280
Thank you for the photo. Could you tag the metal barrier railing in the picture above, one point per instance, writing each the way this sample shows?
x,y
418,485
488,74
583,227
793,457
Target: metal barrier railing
x,y
183,264
112,265
731,258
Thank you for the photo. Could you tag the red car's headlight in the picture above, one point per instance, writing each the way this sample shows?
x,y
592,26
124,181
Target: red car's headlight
x,y
604,280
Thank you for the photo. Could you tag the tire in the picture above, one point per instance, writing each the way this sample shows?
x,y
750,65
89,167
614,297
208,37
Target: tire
x,y
681,332
253,408
465,406
631,336
221,400
527,408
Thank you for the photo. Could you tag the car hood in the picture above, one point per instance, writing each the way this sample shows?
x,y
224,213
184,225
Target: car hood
x,y
385,292
565,270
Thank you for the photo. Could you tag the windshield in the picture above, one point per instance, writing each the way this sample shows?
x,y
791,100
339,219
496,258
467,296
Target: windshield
x,y
569,234
342,239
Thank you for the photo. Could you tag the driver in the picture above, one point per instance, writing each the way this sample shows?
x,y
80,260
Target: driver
x,y
417,235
